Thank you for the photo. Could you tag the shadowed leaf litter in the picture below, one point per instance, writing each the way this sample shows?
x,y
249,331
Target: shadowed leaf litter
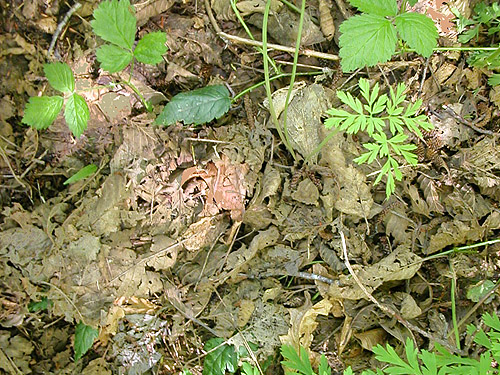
x,y
203,246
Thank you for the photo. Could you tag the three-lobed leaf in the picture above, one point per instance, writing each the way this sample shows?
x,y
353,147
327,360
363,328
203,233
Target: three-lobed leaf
x,y
76,114
366,40
115,23
84,338
42,111
60,76
370,38
196,107
151,47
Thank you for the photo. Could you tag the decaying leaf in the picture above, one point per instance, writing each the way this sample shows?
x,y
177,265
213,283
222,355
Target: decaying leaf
x,y
454,232
371,338
401,264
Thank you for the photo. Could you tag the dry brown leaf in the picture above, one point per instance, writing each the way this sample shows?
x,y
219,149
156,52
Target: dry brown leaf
x,y
371,338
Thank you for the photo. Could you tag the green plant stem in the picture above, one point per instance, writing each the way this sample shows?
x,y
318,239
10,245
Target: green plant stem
x,y
250,35
453,306
139,94
294,71
462,49
291,6
267,80
278,76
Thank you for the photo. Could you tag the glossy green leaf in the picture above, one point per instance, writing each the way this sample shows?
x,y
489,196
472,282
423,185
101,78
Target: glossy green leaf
x,y
60,76
83,173
151,48
196,107
295,361
219,360
115,23
76,114
41,111
366,40
113,58
419,31
84,339
377,7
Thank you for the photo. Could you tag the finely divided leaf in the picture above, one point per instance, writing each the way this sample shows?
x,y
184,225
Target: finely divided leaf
x,y
115,23
377,7
366,40
113,58
295,361
418,31
151,47
221,359
196,107
60,76
84,338
494,79
41,111
76,114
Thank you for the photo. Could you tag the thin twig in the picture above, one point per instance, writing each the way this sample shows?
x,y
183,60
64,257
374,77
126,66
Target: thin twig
x,y
61,25
386,309
278,47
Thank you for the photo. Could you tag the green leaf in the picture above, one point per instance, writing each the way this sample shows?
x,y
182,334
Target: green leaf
x,y
151,48
221,359
41,111
295,361
494,79
85,172
76,114
113,58
60,76
115,23
377,7
366,40
418,31
196,107
84,338
43,304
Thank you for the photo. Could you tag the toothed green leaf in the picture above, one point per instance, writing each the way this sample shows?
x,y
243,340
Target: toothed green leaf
x,y
151,48
366,40
42,111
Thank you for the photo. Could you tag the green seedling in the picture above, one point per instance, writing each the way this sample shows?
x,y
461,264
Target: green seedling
x,y
114,21
386,121
486,19
416,362
371,37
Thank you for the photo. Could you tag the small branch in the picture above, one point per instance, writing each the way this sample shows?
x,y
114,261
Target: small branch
x,y
278,47
390,312
61,25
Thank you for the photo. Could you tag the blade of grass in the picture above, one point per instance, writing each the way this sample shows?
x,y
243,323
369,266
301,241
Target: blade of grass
x,y
268,82
454,306
294,71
